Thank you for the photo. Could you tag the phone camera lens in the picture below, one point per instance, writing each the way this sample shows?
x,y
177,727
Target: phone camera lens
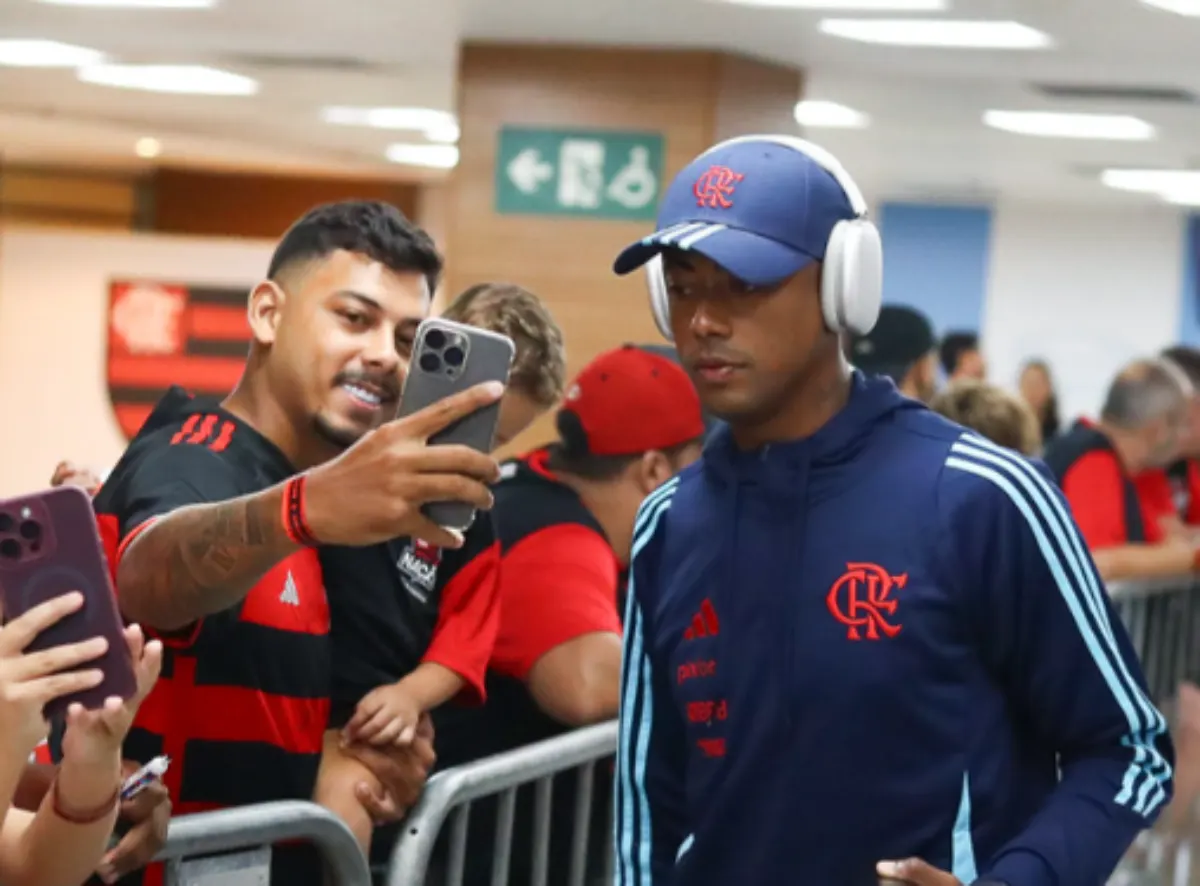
x,y
6,523
31,531
454,356
435,339
10,549
430,362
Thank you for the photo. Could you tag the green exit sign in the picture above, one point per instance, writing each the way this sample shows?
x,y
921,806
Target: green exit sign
x,y
579,172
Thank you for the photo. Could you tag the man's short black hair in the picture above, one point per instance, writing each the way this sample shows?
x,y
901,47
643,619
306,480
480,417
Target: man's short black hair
x,y
372,228
601,468
954,346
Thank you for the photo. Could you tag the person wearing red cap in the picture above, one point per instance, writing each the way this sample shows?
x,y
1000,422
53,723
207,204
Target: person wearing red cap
x,y
564,517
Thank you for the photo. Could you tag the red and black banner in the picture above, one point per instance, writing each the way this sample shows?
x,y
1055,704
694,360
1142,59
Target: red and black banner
x,y
163,334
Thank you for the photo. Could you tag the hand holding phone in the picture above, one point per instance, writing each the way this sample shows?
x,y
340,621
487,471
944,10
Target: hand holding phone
x,y
29,682
50,546
376,489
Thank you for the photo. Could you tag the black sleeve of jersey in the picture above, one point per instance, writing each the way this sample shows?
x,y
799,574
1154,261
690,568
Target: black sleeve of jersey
x,y
167,478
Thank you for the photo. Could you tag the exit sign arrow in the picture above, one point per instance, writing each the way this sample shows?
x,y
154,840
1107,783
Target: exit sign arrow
x,y
528,171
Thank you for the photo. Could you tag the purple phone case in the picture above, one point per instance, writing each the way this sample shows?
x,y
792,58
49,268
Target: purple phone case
x,y
64,555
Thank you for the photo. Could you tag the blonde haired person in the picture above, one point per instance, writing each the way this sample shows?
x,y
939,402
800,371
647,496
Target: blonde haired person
x,y
993,413
63,841
540,365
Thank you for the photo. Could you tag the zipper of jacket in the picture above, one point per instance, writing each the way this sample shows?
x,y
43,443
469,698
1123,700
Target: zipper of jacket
x,y
792,525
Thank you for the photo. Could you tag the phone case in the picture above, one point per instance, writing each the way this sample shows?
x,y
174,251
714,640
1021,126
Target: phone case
x,y
450,357
50,545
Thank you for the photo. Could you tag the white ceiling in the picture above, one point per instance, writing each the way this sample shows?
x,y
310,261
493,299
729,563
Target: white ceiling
x,y
926,137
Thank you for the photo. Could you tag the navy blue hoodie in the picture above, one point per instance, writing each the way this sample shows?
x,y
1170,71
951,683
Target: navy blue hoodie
x,y
886,640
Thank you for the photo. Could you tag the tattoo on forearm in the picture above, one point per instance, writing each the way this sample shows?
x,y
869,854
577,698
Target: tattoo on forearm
x,y
203,559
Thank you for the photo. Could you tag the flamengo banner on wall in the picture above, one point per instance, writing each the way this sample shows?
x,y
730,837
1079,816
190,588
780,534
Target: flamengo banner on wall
x,y
163,334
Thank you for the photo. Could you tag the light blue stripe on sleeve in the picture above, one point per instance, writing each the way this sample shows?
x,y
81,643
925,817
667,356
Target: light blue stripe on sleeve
x,y
1039,504
633,826
962,845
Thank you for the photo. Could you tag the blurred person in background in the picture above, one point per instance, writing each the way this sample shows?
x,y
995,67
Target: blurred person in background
x,y
539,368
993,412
961,358
1036,386
564,515
902,347
850,611
1184,473
64,836
213,516
1141,426
396,605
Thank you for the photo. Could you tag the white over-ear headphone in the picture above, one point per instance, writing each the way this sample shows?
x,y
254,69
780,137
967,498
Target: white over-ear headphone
x,y
852,272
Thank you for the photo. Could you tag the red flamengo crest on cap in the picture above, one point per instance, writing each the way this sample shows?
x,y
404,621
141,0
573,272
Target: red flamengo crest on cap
x,y
714,189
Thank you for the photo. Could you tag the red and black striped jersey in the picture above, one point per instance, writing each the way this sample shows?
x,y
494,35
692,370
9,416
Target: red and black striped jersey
x,y
243,700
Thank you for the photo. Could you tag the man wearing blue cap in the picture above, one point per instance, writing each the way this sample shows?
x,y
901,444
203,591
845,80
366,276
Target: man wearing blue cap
x,y
862,643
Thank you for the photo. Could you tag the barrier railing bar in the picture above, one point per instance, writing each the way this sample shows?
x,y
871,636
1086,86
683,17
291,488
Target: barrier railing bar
x,y
208,833
541,831
412,853
585,780
1150,587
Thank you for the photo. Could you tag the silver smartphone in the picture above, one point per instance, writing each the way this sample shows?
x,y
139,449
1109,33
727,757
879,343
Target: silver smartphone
x,y
449,357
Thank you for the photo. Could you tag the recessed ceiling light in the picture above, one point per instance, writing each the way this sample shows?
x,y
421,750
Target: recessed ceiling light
x,y
850,5
1178,186
434,156
177,79
1181,7
943,33
437,126
46,54
136,4
815,113
1047,124
147,148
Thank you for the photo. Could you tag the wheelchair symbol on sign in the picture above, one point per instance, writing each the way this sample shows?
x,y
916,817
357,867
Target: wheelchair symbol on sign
x,y
635,185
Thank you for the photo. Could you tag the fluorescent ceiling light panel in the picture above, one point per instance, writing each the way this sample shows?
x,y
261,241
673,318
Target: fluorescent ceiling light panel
x,y
433,156
1180,7
175,79
1048,124
46,54
937,33
437,126
1178,186
1152,181
823,114
849,5
135,4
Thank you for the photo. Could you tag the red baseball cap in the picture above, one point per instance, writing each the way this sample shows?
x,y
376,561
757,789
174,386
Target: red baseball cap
x,y
629,401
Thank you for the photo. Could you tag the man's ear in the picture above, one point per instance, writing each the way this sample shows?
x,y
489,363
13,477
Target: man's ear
x,y
654,469
265,310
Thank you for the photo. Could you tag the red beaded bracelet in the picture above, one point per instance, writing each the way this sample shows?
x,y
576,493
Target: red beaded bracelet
x,y
90,817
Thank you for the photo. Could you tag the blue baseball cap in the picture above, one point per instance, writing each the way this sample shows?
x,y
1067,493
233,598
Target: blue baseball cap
x,y
759,209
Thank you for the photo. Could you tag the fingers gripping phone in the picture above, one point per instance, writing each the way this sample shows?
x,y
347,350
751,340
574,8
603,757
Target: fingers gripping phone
x,y
49,546
450,357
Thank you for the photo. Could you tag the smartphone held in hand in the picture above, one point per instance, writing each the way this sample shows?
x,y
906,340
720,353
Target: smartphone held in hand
x,y
50,545
450,357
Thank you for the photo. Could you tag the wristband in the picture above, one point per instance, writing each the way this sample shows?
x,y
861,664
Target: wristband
x,y
295,522
92,815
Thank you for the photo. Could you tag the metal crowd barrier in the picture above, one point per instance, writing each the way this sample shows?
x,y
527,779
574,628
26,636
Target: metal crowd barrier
x,y
232,847
451,792
1163,620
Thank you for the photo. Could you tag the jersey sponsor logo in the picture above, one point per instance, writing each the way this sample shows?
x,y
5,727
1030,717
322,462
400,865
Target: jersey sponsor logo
x,y
704,623
714,188
861,599
418,565
160,334
289,595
